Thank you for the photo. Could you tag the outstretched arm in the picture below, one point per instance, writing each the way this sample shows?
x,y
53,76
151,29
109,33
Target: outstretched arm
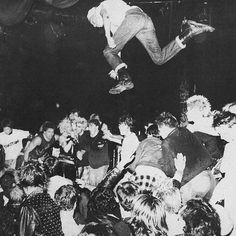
x,y
33,144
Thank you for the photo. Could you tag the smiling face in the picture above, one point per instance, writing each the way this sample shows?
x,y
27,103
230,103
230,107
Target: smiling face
x,y
7,130
48,134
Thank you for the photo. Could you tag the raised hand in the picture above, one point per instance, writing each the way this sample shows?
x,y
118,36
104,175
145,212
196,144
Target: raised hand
x,y
180,162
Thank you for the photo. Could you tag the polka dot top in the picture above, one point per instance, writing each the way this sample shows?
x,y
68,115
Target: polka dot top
x,y
49,214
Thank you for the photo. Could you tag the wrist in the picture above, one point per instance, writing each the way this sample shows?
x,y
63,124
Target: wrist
x,y
178,177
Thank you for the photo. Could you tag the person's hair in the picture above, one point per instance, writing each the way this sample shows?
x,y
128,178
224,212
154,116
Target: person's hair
x,y
126,193
153,130
48,125
148,215
65,126
102,202
224,118
201,103
200,219
128,120
2,157
7,123
10,188
75,110
95,116
95,122
172,199
32,175
65,197
99,229
7,181
167,119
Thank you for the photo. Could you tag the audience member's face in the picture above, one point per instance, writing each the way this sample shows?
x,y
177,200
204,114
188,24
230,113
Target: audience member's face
x,y
7,130
193,115
49,134
92,128
79,129
227,133
164,131
123,129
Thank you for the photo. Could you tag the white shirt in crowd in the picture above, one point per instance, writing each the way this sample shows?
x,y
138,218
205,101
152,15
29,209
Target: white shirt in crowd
x,y
129,145
12,143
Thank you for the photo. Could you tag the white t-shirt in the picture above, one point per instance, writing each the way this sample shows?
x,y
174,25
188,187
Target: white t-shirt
x,y
116,10
129,146
12,143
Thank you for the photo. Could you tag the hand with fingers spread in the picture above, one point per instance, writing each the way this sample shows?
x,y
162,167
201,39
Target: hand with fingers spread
x,y
180,162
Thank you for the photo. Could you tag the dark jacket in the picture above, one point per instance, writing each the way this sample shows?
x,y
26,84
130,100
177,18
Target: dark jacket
x,y
98,151
181,140
148,153
39,215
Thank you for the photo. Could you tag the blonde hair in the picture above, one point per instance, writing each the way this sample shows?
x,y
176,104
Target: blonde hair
x,y
149,211
65,126
201,103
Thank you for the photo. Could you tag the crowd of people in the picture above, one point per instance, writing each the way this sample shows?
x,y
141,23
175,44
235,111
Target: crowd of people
x,y
177,180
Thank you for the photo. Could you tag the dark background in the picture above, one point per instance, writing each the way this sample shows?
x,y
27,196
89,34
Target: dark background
x,y
55,57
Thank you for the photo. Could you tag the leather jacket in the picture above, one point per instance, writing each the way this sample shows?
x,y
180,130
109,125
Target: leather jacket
x,y
30,223
111,178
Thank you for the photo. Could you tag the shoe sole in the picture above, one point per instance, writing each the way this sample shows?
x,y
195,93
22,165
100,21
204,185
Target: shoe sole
x,y
205,28
121,89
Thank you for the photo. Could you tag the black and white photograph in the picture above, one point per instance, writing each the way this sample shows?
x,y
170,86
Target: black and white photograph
x,y
117,118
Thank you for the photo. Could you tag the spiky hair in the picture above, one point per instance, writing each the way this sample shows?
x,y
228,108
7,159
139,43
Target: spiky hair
x,y
199,102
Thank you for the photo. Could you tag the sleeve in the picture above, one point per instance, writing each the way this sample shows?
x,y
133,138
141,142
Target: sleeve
x,y
111,179
138,156
29,220
131,149
23,134
167,162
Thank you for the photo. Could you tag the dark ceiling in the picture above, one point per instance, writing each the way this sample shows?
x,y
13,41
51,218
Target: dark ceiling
x,y
52,62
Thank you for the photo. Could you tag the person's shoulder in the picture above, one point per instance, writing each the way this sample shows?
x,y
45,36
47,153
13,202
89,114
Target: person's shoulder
x,y
20,132
134,136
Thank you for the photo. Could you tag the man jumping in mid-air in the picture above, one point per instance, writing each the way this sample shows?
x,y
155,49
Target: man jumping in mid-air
x,y
123,22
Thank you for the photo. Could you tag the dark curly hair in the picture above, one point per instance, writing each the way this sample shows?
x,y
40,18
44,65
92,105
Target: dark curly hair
x,y
166,118
66,197
102,202
99,229
224,118
153,130
200,219
126,193
128,120
32,175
